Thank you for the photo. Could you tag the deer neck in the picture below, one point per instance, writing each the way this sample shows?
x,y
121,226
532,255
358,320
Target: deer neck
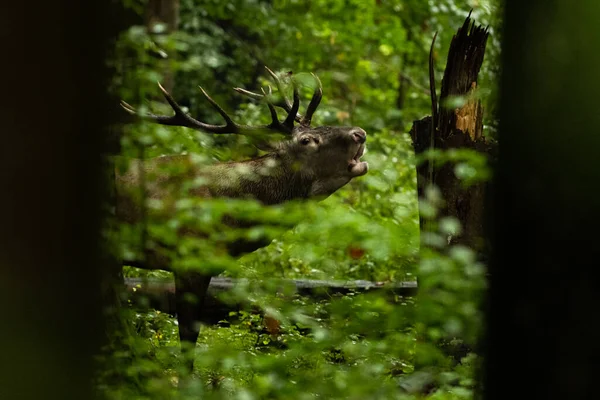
x,y
271,179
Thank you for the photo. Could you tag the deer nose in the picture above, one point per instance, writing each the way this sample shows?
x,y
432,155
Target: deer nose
x,y
359,135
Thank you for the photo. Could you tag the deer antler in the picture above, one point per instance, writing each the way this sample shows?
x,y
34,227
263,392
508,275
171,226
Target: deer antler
x,y
285,103
183,119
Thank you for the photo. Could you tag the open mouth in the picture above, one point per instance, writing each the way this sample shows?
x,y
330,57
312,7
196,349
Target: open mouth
x,y
359,153
355,166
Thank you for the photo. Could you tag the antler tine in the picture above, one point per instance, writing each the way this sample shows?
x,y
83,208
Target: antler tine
x,y
128,107
314,102
274,118
279,85
182,119
292,114
284,103
226,117
248,93
179,119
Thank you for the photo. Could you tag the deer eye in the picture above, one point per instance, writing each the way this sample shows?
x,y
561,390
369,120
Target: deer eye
x,y
305,140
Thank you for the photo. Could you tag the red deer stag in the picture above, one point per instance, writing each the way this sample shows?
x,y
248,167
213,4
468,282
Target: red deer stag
x,y
308,163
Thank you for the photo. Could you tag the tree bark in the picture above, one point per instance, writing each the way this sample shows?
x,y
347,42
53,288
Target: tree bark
x,y
164,12
457,128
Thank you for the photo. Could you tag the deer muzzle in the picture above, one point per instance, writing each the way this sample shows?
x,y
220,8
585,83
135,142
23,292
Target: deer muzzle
x,y
355,166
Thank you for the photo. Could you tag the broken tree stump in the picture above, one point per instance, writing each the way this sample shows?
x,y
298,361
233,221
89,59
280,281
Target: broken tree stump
x,y
457,127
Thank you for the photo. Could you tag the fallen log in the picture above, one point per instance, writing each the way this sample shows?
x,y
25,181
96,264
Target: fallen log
x,y
159,294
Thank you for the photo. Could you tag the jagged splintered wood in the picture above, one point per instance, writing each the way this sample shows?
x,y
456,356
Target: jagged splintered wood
x,y
465,58
160,293
459,127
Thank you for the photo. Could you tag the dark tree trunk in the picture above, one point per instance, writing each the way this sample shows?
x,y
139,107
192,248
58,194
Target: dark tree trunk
x,y
543,338
54,117
165,12
457,128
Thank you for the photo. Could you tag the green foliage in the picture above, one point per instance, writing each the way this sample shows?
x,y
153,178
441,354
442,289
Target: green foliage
x,y
371,57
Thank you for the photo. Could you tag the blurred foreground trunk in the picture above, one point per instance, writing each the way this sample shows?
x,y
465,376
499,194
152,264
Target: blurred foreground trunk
x,y
542,338
54,118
